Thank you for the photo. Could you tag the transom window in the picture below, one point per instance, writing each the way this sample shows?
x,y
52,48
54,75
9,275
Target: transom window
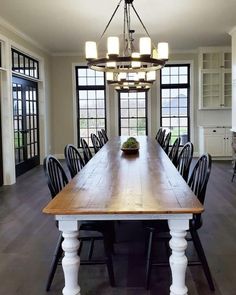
x,y
91,101
175,97
133,113
24,64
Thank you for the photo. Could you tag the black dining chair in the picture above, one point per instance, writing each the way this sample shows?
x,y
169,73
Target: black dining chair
x,y
86,150
73,158
166,142
104,135
198,183
101,138
173,153
184,160
161,138
158,134
56,180
96,142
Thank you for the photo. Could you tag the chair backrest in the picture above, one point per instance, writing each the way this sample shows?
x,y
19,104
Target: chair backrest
x,y
198,183
200,176
162,137
95,142
184,160
104,135
173,154
73,158
56,176
158,134
86,150
166,143
101,138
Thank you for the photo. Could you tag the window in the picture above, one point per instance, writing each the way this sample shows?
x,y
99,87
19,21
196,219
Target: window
x,y
133,113
24,64
175,97
91,101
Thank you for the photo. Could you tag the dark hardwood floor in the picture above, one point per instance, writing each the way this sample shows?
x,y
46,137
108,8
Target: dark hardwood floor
x,y
28,239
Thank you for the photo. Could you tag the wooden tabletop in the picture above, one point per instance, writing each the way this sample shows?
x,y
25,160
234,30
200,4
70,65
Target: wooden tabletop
x,y
114,183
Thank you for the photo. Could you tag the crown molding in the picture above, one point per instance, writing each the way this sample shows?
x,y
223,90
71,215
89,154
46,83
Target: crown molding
x,y
5,24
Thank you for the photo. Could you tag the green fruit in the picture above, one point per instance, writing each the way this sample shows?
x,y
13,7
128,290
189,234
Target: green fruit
x,y
130,145
131,139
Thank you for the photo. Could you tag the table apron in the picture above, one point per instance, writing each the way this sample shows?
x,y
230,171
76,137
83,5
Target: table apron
x,y
84,217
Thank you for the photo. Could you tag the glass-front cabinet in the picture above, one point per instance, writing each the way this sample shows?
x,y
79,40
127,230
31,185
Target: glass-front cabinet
x,y
215,78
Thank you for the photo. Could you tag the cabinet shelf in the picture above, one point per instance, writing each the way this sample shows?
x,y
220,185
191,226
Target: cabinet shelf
x,y
215,78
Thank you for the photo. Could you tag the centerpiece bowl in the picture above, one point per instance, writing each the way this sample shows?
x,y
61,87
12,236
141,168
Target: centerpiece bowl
x,y
130,146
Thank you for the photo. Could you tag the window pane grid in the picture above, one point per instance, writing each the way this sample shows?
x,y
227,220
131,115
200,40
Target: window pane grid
x,y
91,102
175,89
132,113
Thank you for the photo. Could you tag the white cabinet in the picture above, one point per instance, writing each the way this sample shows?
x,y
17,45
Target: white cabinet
x,y
216,141
215,78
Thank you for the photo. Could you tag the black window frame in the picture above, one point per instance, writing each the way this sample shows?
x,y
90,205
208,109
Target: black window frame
x,y
178,86
88,87
146,108
18,70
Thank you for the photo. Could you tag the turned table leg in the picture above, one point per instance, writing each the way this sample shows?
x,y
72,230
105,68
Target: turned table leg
x,y
178,260
71,260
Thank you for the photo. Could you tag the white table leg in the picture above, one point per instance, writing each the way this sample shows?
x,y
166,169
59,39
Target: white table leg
x,y
71,260
178,260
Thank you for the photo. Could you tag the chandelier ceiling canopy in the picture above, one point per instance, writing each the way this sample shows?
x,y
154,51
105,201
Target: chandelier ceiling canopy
x,y
125,66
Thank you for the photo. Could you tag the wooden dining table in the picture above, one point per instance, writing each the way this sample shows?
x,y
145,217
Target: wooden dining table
x,y
116,186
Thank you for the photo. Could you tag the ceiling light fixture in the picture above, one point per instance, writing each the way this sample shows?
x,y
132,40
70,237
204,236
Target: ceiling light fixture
x,y
130,69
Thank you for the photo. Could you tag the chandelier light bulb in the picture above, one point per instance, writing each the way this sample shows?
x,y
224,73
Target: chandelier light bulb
x,y
113,46
91,50
145,46
135,64
121,76
151,76
141,75
110,76
163,50
111,64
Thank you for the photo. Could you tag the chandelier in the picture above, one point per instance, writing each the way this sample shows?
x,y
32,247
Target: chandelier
x,y
125,67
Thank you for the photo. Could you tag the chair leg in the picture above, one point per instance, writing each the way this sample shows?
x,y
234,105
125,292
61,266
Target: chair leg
x,y
108,252
90,252
234,171
198,246
149,257
57,255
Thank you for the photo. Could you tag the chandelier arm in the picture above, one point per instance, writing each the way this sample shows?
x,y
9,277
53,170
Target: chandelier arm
x,y
118,5
128,28
145,29
124,33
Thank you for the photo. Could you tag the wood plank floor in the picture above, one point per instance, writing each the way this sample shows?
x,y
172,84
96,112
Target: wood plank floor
x,y
28,239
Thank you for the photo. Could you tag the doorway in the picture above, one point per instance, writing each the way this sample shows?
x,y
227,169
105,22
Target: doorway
x,y
26,124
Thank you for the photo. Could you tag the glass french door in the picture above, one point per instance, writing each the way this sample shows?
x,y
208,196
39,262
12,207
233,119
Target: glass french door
x,y
26,124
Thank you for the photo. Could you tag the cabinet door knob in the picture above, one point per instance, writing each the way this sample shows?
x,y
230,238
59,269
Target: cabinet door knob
x,y
214,130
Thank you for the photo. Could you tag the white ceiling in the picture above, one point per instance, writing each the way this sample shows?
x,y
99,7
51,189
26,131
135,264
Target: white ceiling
x,y
64,25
